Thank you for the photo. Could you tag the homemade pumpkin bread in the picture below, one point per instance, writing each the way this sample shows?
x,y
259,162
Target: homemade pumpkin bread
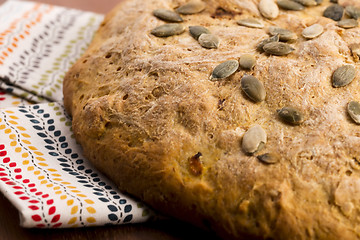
x,y
238,116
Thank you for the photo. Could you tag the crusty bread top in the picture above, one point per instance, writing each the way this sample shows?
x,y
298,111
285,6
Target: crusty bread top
x,y
142,106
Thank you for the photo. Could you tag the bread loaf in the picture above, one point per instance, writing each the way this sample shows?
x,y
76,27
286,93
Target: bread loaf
x,y
275,159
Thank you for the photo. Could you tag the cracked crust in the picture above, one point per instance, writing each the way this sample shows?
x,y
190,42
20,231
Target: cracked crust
x,y
143,106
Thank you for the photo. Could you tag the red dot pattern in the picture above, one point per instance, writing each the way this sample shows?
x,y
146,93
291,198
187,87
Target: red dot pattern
x,y
30,194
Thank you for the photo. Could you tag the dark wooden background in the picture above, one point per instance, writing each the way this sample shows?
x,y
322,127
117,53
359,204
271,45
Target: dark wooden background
x,y
157,230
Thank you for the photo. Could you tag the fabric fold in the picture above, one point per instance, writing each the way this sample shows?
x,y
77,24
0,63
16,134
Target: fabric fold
x,y
44,174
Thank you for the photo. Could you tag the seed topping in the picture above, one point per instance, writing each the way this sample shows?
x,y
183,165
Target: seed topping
x,y
168,29
247,61
269,158
285,35
312,31
191,7
196,31
348,23
253,88
353,110
254,140
167,15
262,43
335,12
250,22
224,70
208,40
290,5
291,115
268,9
278,48
343,76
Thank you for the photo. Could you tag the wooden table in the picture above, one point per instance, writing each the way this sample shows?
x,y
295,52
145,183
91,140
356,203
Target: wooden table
x,y
158,230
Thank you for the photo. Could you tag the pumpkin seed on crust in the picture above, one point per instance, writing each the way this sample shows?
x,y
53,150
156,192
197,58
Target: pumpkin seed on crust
x,y
262,43
334,12
353,12
224,70
307,3
247,61
312,31
253,88
196,31
285,35
168,29
290,5
254,140
208,40
353,110
343,75
291,115
268,9
348,23
250,22
191,7
269,158
167,15
278,48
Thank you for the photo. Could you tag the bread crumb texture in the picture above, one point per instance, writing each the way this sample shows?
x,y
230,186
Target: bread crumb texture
x,y
147,114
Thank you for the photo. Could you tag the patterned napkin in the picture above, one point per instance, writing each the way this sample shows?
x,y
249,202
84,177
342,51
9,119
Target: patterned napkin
x,y
9,100
42,170
38,43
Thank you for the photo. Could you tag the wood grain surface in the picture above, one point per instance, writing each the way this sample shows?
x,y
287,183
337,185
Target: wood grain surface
x,y
169,229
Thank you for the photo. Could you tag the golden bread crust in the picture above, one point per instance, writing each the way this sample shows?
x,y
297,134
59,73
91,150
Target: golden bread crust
x,y
143,106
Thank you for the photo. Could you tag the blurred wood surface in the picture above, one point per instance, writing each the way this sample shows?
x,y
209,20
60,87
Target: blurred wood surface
x,y
157,230
98,6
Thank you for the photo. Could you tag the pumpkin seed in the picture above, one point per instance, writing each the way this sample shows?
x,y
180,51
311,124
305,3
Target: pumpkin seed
x,y
250,22
352,12
225,69
312,31
278,48
196,31
355,50
268,9
307,3
318,2
285,35
291,115
208,40
343,76
290,5
353,109
253,88
261,44
168,29
191,7
254,140
269,158
335,12
167,15
247,61
348,23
